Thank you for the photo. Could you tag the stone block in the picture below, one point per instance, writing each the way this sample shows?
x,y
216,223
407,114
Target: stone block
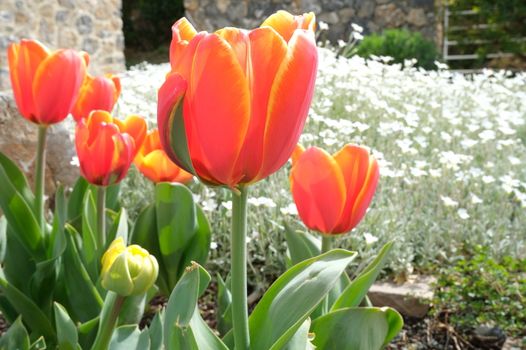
x,y
411,298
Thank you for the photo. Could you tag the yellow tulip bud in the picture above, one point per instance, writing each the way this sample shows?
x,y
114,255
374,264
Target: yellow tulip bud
x,y
128,270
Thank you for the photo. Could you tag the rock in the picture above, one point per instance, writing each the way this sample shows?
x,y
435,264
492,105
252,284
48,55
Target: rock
x,y
84,24
347,14
417,17
411,298
191,5
18,138
330,17
389,16
488,337
222,5
367,9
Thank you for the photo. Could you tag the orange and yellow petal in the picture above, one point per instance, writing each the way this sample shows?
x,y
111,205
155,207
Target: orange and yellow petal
x,y
136,127
217,99
24,59
289,102
285,23
182,33
56,85
318,189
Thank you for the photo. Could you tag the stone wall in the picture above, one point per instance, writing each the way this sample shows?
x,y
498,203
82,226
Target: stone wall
x,y
94,26
373,15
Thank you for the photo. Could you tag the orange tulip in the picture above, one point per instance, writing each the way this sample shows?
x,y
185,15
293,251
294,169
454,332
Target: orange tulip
x,y
106,146
332,193
234,105
45,84
153,162
97,93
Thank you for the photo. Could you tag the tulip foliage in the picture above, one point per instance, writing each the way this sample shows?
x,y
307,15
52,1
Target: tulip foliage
x,y
230,114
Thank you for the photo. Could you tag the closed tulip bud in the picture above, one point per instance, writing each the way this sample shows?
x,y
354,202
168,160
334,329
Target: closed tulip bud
x,y
97,93
332,193
45,84
235,103
128,270
106,146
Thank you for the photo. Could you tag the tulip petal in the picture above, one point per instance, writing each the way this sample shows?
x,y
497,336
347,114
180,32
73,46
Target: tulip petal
x,y
182,33
240,43
285,23
24,59
355,166
267,51
96,93
318,189
170,121
136,127
56,85
216,111
289,102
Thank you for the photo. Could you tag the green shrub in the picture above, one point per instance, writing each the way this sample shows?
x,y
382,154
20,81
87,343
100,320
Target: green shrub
x,y
400,44
481,290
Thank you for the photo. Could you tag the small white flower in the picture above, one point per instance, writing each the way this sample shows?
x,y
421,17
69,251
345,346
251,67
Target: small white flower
x,y
323,26
227,205
463,213
75,161
213,245
369,238
475,199
487,179
289,209
449,202
356,27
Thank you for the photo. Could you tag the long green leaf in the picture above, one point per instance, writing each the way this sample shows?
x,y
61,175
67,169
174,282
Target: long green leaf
x,y
16,337
301,340
224,306
67,337
181,306
155,331
84,298
129,337
89,231
119,227
294,295
357,289
31,313
17,178
199,246
356,328
76,199
205,338
302,246
20,216
3,238
176,225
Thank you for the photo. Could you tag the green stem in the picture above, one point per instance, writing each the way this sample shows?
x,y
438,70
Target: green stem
x,y
326,245
239,269
107,324
101,218
40,176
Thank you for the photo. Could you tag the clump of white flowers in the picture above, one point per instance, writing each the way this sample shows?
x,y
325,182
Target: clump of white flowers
x,y
451,149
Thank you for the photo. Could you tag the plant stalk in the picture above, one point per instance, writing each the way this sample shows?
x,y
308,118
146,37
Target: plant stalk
x,y
40,176
326,245
102,341
101,218
239,269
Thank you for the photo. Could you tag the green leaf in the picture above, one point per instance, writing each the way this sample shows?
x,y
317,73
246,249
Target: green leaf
x,y
31,313
18,263
119,227
129,337
155,332
16,337
76,199
132,309
145,234
20,216
178,141
57,238
39,344
181,306
357,289
84,298
302,245
89,232
301,340
176,225
224,306
3,238
356,328
67,337
294,295
199,246
205,338
17,178
112,197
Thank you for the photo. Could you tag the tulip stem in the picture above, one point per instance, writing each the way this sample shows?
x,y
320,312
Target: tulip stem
x,y
40,176
326,245
107,322
101,218
239,269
